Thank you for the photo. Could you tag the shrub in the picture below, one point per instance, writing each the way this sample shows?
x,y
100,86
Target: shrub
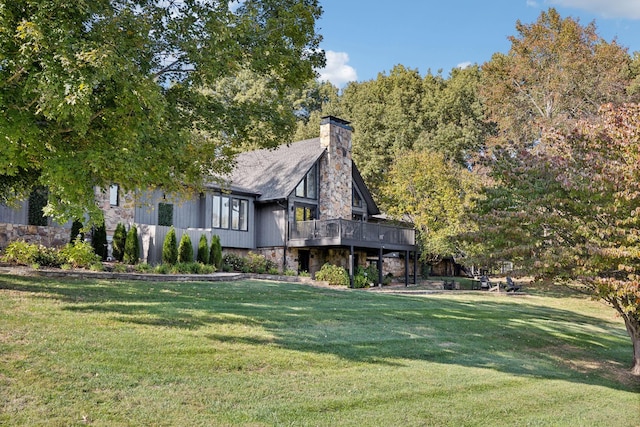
x,y
79,254
76,230
23,253
143,268
289,272
256,263
48,257
119,268
365,277
191,268
118,242
162,269
131,247
232,262
185,250
215,254
99,241
203,250
170,248
20,252
333,274
304,273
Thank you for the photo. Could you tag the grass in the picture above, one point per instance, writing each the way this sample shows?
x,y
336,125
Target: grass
x,y
94,352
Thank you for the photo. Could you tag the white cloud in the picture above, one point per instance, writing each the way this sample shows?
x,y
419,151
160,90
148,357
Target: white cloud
x,y
464,65
532,3
629,9
337,71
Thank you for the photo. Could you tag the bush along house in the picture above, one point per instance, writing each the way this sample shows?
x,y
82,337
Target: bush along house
x,y
300,205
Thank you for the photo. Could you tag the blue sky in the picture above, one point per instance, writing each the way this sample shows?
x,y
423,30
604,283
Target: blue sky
x,y
365,37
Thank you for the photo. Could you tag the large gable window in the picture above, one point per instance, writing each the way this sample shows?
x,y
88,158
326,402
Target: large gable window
x,y
308,187
230,212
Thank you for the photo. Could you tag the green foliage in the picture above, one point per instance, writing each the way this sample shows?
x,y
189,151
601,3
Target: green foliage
x,y
256,263
203,250
118,242
20,252
185,249
170,247
568,211
79,254
436,200
99,241
333,274
76,230
23,253
215,254
132,247
556,71
69,69
232,262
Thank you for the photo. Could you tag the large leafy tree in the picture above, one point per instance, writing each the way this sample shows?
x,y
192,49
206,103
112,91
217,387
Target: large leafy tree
x,y
387,117
143,93
556,71
434,194
569,210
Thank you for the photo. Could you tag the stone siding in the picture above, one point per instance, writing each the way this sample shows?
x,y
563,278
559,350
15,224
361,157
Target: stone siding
x,y
335,170
55,237
124,212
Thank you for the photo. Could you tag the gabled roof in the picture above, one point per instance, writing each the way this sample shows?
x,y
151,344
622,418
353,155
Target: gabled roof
x,y
273,174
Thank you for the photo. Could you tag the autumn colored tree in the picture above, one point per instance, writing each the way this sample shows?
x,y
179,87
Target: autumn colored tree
x,y
434,194
568,210
143,93
556,71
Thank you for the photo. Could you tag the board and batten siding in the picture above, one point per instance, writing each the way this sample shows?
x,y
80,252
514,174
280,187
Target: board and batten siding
x,y
187,213
15,215
270,225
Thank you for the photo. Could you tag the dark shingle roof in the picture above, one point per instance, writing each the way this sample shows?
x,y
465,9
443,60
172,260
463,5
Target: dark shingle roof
x,y
274,174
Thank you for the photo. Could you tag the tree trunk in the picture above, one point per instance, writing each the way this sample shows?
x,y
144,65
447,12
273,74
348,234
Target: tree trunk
x,y
633,328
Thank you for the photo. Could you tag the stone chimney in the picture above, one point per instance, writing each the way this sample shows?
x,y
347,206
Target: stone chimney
x,y
335,169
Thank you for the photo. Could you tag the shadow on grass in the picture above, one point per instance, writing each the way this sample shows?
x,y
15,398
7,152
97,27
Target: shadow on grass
x,y
479,331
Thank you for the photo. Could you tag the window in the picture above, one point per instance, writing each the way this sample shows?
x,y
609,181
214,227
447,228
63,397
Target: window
x,y
356,199
308,187
305,213
230,212
165,214
38,199
114,199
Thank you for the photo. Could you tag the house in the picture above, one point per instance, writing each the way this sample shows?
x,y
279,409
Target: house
x,y
300,205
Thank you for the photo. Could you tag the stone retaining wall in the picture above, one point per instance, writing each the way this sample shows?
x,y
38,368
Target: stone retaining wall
x,y
48,236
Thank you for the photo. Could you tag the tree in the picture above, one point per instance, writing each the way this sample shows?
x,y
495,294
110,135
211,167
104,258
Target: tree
x,y
215,253
118,242
170,247
132,247
388,118
76,230
434,194
144,94
185,249
203,250
99,240
556,71
569,210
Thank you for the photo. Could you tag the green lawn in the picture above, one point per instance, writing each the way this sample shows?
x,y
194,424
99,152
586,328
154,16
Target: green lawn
x,y
97,352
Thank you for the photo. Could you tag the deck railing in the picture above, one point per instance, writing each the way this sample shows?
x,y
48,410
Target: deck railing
x,y
344,231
